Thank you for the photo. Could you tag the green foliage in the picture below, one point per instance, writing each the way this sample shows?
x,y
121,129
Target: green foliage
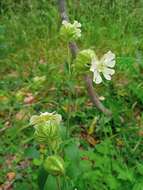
x,y
42,178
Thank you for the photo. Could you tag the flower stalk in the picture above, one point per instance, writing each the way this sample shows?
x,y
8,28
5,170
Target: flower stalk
x,y
74,50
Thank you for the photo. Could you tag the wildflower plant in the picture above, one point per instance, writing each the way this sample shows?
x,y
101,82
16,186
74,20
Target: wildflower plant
x,y
62,155
104,65
87,60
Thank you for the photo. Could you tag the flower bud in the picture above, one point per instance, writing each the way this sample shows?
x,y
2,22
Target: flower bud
x,y
48,134
54,165
84,58
47,129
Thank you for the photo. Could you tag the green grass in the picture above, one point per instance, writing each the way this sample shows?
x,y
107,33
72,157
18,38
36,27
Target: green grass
x,y
30,46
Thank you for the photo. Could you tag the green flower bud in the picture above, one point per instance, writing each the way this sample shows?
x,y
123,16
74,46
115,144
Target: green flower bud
x,y
47,129
84,58
48,134
70,32
54,165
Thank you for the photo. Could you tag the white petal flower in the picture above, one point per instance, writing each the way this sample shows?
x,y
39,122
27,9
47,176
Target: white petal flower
x,y
69,31
46,117
103,66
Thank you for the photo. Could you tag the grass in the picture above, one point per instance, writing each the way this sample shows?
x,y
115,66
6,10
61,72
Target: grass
x,y
30,46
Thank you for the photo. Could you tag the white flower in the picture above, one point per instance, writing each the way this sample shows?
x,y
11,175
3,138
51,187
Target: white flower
x,y
70,31
46,117
77,27
103,66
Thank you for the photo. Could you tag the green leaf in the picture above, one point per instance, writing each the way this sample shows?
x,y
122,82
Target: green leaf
x,y
37,162
126,174
72,152
32,152
72,158
42,178
85,165
138,186
140,168
112,182
22,186
51,183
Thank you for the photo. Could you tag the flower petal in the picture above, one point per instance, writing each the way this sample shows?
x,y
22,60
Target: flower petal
x,y
78,32
64,22
108,71
96,77
94,64
107,77
108,59
77,24
95,73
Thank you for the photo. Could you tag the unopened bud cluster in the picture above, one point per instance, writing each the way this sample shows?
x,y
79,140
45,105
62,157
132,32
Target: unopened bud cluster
x,y
47,129
47,132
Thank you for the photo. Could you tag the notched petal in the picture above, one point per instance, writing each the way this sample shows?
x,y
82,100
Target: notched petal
x,y
109,59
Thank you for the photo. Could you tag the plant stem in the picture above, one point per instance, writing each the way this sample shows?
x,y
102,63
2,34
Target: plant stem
x,y
74,49
69,92
58,183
